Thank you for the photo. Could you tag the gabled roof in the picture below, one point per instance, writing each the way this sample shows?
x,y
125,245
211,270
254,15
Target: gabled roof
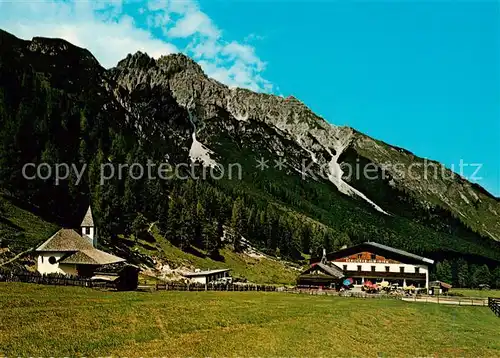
x,y
79,249
400,252
88,220
65,240
440,284
91,257
205,273
368,246
332,270
109,278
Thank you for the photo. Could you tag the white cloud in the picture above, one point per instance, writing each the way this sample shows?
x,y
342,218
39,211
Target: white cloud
x,y
110,34
109,40
194,23
246,53
233,63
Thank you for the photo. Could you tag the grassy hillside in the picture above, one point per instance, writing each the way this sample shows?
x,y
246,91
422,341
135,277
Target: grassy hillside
x,y
20,229
42,320
261,270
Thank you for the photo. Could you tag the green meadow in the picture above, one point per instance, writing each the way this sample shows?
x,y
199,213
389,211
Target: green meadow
x,y
40,321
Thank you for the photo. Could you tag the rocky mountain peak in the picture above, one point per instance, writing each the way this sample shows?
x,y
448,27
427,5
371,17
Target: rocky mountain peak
x,y
62,49
137,60
180,62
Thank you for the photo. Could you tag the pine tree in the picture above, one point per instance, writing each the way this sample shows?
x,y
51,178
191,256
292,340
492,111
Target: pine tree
x,y
173,223
443,271
237,223
237,216
463,279
199,223
481,276
187,227
211,238
495,279
139,226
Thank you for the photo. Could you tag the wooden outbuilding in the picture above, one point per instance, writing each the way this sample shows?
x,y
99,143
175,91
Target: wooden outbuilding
x,y
321,275
122,276
438,287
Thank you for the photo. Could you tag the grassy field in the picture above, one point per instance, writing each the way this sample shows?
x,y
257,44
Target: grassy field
x,y
467,292
55,321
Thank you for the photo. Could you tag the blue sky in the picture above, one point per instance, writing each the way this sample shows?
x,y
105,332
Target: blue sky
x,y
423,76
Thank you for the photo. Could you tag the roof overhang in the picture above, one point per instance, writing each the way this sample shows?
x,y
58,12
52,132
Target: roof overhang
x,y
205,273
387,251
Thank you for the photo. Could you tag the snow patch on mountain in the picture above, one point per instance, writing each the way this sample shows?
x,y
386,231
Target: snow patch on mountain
x,y
199,152
336,172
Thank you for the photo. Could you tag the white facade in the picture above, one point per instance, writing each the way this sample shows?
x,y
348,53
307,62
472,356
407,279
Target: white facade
x,y
199,279
204,277
47,263
381,267
89,232
88,228
399,268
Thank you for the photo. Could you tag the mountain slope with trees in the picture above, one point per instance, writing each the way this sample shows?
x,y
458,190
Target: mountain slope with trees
x,y
58,105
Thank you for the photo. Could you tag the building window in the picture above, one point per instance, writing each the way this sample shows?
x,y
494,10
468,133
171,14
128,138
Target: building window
x,y
373,257
359,267
345,267
373,268
387,268
402,269
359,256
52,260
417,269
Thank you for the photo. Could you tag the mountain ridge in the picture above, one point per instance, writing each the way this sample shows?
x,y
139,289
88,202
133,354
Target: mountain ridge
x,y
240,107
67,108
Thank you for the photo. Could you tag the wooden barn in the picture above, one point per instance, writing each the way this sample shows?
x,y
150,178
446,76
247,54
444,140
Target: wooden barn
x,y
321,275
122,276
438,287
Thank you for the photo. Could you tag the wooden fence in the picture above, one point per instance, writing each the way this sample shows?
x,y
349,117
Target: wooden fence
x,y
494,305
459,301
213,287
449,300
332,292
60,280
57,280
